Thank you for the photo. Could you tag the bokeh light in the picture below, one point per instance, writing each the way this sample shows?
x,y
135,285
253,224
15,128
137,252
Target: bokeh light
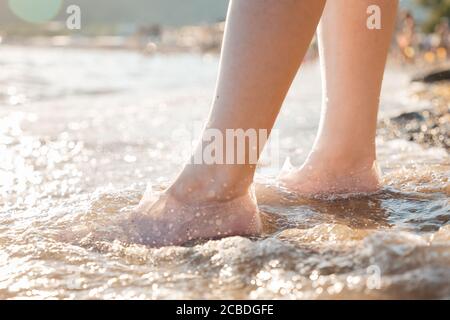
x,y
35,11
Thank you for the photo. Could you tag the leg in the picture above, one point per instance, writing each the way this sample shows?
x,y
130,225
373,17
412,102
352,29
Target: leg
x,y
343,159
264,44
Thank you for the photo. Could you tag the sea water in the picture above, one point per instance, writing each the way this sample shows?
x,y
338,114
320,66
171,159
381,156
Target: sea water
x,y
83,132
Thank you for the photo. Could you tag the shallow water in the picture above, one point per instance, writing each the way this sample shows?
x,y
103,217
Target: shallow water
x,y
84,132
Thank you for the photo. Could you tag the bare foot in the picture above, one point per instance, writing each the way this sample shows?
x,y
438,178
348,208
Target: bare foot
x,y
316,178
170,220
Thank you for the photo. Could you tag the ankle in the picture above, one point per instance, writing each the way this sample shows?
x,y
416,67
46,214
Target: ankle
x,y
204,185
341,161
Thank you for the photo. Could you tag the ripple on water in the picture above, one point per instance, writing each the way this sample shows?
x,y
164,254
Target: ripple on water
x,y
69,177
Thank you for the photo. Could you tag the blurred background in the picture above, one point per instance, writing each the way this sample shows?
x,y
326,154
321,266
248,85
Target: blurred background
x,y
173,25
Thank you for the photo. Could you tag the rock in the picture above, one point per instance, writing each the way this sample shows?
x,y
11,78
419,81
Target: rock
x,y
409,116
435,76
428,127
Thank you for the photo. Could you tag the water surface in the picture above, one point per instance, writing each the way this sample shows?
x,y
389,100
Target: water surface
x,y
83,132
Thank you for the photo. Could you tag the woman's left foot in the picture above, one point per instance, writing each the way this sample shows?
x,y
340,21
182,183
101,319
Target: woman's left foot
x,y
317,178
